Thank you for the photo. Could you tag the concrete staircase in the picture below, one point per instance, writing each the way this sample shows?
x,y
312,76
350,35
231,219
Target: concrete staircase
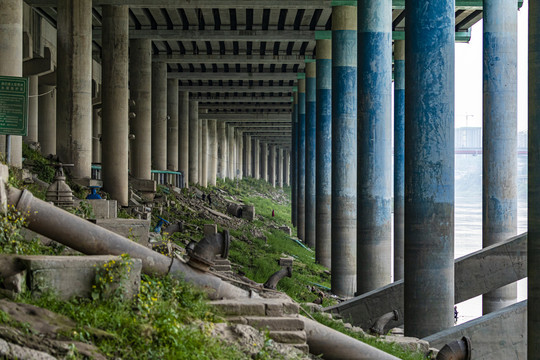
x,y
279,316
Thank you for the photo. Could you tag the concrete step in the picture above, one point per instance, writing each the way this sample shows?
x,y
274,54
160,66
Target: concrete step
x,y
257,307
288,323
289,337
221,268
218,262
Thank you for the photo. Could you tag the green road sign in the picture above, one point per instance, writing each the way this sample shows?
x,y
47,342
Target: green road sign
x,y
13,105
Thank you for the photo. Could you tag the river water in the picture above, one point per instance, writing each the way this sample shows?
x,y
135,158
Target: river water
x,y
468,218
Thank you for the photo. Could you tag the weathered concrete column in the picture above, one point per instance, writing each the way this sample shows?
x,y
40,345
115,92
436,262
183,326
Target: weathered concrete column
x,y
429,167
301,166
247,156
533,245
183,135
97,132
280,158
374,226
204,153
344,146
222,149
239,153
499,177
74,85
323,191
311,150
294,159
286,167
172,124
256,159
140,91
264,161
272,166
193,142
11,59
47,120
212,152
200,150
232,156
32,110
115,40
399,156
159,116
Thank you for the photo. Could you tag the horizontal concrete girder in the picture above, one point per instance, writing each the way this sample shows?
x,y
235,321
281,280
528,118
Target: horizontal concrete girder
x,y
276,76
268,117
230,59
204,4
230,106
475,274
287,89
243,124
243,99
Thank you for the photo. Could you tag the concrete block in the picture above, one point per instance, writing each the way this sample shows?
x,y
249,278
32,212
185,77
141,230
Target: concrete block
x,y
287,230
70,276
103,209
280,308
276,323
210,229
289,337
245,308
500,335
143,185
286,262
302,347
4,173
221,268
408,343
248,212
134,229
3,197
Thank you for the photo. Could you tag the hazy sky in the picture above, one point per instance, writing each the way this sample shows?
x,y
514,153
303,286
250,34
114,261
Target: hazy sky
x,y
469,75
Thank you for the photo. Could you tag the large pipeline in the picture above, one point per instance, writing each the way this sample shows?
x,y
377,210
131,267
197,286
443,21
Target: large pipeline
x,y
90,239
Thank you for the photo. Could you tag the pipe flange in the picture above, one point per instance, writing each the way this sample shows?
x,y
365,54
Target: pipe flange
x,y
468,343
24,201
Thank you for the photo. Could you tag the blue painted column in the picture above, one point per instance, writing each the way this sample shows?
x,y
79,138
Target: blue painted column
x,y
323,185
311,118
344,145
429,167
399,156
499,178
533,245
301,194
294,158
374,248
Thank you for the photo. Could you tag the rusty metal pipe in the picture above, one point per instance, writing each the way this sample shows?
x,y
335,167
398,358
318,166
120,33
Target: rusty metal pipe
x,y
81,235
456,350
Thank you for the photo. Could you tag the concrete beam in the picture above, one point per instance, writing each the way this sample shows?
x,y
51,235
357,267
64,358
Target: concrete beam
x,y
285,88
39,66
229,59
267,106
217,35
203,4
475,274
255,117
251,129
259,125
499,335
232,76
244,99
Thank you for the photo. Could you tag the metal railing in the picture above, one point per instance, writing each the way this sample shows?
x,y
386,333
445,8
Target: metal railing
x,y
161,177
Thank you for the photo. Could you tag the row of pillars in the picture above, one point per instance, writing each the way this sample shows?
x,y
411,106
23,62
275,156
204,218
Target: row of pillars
x,y
342,152
136,101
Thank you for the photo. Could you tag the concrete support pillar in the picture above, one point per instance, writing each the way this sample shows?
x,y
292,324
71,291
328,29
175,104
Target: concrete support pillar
x,y
140,81
47,120
222,149
264,161
194,142
204,153
183,135
239,153
344,146
294,159
115,40
200,151
159,116
286,167
323,192
499,178
429,167
374,226
256,159
280,156
247,156
32,136
311,119
301,193
232,156
533,245
399,157
11,59
74,85
272,166
172,124
97,132
212,152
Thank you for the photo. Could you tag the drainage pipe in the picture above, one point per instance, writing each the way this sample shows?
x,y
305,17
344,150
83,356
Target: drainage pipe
x,y
90,239
378,326
332,344
456,350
